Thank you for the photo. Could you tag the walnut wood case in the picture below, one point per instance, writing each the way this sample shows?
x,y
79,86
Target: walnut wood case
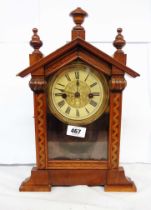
x,y
101,169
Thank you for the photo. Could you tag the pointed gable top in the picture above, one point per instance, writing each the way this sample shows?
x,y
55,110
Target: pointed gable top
x,y
78,48
74,45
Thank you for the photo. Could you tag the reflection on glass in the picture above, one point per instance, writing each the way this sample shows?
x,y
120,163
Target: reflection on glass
x,y
92,147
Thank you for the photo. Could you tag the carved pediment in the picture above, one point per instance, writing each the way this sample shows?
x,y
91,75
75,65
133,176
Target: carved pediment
x,y
77,49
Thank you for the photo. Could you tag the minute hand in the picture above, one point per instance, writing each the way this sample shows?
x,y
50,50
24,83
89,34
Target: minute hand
x,y
77,84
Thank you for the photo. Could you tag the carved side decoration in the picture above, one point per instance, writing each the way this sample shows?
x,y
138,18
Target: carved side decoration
x,y
115,135
40,129
117,84
38,85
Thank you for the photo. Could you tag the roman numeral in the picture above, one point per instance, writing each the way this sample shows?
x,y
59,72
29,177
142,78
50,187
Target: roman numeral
x,y
77,75
77,113
61,103
87,110
61,84
62,90
86,78
67,77
96,94
58,94
68,110
93,84
93,103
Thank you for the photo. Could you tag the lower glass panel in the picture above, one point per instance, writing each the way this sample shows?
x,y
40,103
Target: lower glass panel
x,y
92,147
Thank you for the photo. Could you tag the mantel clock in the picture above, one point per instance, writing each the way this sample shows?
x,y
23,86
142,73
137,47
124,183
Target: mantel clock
x,y
77,111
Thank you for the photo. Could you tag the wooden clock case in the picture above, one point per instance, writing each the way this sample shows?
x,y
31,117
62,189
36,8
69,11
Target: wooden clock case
x,y
106,172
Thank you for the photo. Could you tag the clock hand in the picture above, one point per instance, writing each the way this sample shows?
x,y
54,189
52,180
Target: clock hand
x,y
77,94
77,84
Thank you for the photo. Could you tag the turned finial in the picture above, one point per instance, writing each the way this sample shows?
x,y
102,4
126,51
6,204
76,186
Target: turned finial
x,y
35,42
119,41
78,18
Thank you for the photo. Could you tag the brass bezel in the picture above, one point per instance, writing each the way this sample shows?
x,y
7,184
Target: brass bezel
x,y
91,118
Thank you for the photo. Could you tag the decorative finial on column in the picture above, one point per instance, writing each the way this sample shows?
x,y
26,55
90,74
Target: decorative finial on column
x,y
78,18
35,42
119,41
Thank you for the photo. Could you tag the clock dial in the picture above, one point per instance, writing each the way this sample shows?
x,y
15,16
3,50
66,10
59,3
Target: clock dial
x,y
77,94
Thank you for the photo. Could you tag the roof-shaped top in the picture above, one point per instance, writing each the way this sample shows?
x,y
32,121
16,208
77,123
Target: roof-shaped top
x,y
78,48
76,45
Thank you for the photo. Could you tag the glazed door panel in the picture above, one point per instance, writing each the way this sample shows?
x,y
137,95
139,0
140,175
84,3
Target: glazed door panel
x,y
92,147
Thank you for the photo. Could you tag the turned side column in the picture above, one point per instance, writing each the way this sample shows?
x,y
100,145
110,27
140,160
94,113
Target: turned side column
x,y
38,85
117,85
116,179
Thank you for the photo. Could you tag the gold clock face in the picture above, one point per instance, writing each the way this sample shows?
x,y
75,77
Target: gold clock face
x,y
77,94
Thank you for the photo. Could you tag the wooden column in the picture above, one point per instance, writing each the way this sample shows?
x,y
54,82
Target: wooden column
x,y
39,179
117,84
37,85
116,179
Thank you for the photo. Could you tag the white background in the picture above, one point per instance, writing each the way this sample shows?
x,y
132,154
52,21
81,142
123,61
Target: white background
x,y
18,17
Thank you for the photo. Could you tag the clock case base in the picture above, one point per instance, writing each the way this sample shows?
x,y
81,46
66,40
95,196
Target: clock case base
x,y
113,180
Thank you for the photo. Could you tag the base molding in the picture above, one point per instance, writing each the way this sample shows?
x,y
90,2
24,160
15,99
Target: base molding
x,y
113,180
34,188
37,182
120,188
118,182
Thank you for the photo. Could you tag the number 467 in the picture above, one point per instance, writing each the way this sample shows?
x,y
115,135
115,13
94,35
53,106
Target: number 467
x,y
75,130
